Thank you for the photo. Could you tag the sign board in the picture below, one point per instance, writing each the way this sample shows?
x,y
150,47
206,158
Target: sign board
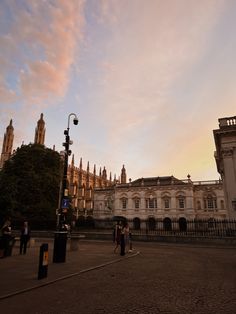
x,y
65,203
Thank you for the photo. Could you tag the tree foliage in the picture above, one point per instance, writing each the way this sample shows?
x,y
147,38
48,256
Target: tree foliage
x,y
29,183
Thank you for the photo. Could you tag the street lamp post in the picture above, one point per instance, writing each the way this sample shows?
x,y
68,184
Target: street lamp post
x,y
65,193
60,240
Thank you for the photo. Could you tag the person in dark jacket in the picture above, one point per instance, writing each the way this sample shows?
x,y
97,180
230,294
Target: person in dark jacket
x,y
6,238
25,237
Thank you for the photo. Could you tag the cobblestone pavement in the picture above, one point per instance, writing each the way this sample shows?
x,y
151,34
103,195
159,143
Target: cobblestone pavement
x,y
163,279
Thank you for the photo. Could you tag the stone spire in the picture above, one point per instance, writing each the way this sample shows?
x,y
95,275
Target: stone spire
x,y
87,177
104,174
40,131
73,161
7,144
94,176
80,164
123,175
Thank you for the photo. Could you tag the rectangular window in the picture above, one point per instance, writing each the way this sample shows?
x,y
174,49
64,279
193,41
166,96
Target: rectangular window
x,y
210,203
136,202
151,203
167,203
124,203
181,203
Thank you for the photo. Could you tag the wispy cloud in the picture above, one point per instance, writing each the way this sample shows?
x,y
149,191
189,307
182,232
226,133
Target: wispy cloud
x,y
38,48
152,46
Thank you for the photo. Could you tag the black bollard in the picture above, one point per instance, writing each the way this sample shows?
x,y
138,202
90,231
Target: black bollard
x,y
122,244
59,251
43,261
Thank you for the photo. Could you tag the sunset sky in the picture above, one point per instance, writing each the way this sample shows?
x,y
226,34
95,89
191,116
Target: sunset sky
x,y
148,80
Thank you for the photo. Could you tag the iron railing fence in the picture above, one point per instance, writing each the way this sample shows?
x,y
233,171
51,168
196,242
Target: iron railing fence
x,y
151,226
165,227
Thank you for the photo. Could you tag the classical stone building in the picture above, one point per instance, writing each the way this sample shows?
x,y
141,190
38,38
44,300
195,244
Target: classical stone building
x,y
225,155
161,198
168,198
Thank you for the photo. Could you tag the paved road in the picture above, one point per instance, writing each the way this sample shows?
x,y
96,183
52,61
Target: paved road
x,y
160,279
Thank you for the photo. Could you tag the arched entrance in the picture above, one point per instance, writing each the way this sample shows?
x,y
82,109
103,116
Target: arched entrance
x,y
167,224
136,223
151,223
182,224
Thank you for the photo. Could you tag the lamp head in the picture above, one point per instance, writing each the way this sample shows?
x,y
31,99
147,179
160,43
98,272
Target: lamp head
x,y
76,121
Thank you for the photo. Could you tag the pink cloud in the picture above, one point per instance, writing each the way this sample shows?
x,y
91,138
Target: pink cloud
x,y
45,36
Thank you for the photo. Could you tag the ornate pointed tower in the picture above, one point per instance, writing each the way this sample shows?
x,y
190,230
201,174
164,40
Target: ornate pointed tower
x,y
40,131
123,175
94,177
7,144
80,173
87,177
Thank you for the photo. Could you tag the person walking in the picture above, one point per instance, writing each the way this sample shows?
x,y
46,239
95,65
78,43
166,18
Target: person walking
x,y
122,241
126,236
25,237
117,235
6,238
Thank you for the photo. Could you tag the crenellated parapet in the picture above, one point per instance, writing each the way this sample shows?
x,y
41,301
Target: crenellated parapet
x,y
227,122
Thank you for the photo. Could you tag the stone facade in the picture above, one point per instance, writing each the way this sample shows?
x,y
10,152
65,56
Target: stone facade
x,y
97,196
225,155
161,197
82,184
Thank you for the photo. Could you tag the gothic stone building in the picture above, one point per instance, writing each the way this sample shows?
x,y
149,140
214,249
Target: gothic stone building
x,y
97,196
81,182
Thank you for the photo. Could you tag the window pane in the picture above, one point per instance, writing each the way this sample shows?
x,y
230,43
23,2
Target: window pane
x,y
167,203
136,203
181,203
151,203
124,203
210,203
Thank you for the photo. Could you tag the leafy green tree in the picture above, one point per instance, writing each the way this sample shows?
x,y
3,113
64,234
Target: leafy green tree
x,y
29,184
